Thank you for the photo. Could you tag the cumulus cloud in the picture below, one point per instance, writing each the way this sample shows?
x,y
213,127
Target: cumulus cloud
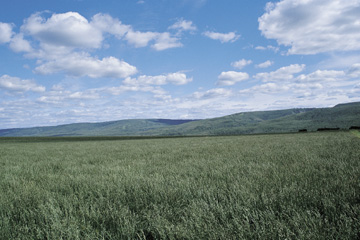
x,y
212,93
19,44
183,25
161,41
108,24
282,74
222,37
267,88
72,30
60,96
241,63
287,87
231,77
322,76
5,32
65,29
177,78
79,65
313,26
165,41
62,43
354,70
265,64
150,84
15,84
140,39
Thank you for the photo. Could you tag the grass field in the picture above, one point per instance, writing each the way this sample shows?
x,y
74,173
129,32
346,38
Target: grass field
x,y
286,186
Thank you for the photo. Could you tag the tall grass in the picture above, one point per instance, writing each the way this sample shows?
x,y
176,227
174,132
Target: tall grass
x,y
290,186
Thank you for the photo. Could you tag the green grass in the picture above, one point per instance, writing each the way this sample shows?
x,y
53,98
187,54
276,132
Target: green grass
x,y
288,186
356,133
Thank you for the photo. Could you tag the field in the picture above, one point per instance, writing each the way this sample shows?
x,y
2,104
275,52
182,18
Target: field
x,y
286,186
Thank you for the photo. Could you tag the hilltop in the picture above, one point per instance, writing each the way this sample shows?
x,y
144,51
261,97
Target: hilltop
x,y
341,116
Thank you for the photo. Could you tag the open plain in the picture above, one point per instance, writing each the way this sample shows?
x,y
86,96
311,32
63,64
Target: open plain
x,y
294,186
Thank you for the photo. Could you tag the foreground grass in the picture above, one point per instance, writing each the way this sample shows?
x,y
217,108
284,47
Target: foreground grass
x,y
294,186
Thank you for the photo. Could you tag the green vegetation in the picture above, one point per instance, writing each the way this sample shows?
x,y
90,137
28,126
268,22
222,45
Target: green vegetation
x,y
356,133
341,116
115,128
286,186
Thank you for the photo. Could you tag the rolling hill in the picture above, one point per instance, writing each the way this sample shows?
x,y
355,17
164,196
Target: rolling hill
x,y
341,116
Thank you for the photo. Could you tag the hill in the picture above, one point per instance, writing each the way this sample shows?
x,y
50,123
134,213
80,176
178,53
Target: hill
x,y
341,116
133,127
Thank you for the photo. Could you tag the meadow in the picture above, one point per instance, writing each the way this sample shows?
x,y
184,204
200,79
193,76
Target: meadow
x,y
276,186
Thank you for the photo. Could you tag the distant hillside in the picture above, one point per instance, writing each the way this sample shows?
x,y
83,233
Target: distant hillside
x,y
134,127
341,116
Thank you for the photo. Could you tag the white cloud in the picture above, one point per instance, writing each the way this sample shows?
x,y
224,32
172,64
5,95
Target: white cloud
x,y
354,70
62,42
268,47
79,65
260,48
222,37
282,88
150,84
285,89
108,24
183,25
177,78
19,44
135,88
265,64
322,76
282,74
84,95
313,26
140,39
241,63
267,88
212,93
71,30
165,41
66,29
15,84
162,41
231,77
5,32
339,61
63,97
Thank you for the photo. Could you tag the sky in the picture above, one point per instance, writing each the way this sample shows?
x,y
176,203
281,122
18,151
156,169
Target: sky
x,y
92,61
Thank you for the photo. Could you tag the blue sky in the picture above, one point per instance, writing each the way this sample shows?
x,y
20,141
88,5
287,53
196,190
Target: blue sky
x,y
90,61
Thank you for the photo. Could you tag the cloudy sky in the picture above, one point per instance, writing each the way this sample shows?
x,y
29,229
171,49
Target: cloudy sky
x,y
89,61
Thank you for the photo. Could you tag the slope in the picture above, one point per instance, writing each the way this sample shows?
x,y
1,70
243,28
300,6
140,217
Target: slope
x,y
133,127
341,116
